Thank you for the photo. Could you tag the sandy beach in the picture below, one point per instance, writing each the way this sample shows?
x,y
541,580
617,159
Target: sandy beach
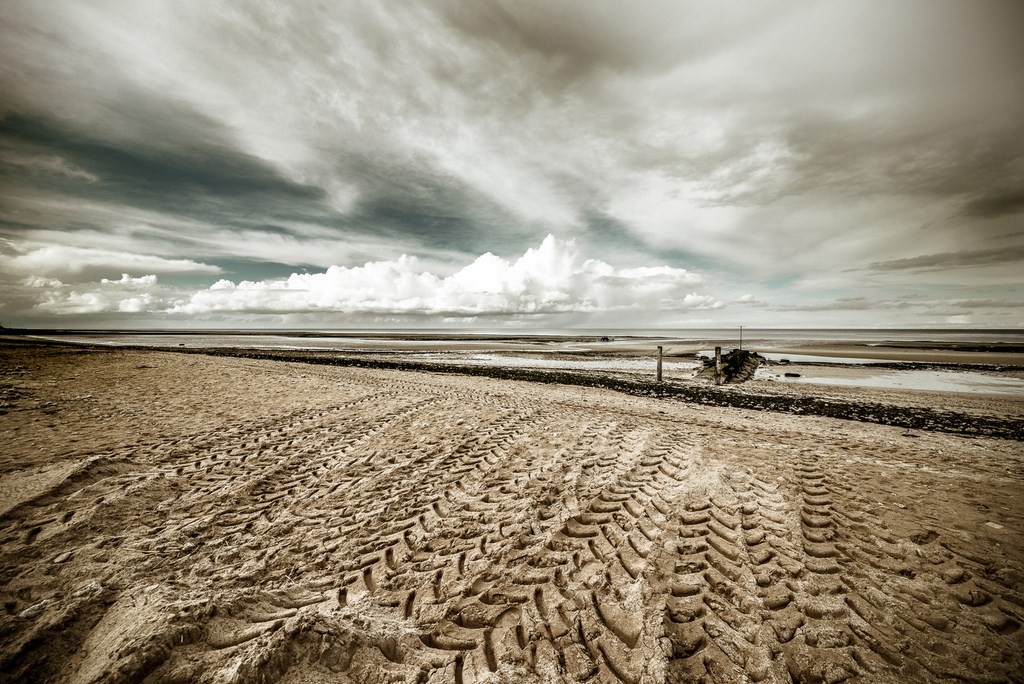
x,y
171,517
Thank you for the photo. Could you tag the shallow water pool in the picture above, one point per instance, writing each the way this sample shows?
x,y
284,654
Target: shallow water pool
x,y
923,380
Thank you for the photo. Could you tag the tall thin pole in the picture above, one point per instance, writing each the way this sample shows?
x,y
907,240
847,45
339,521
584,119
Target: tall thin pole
x,y
741,338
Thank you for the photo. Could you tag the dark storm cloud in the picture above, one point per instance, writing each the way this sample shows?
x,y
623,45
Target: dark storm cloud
x,y
981,166
952,260
576,42
943,307
186,177
989,303
424,205
844,304
763,142
993,204
203,178
167,174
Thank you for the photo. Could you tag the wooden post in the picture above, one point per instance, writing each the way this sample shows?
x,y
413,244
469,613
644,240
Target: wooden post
x,y
660,352
718,365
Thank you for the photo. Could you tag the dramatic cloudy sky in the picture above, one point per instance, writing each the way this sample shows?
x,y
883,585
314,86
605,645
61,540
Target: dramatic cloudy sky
x,y
531,163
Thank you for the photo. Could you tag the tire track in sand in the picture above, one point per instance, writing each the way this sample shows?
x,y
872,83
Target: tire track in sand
x,y
447,529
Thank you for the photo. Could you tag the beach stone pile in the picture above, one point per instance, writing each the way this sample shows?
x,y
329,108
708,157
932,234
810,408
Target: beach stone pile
x,y
738,366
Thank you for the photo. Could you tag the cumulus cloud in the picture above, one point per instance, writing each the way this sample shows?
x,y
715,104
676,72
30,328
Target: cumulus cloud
x,y
549,279
130,295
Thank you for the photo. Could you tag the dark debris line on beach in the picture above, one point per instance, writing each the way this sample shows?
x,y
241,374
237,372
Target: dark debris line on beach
x,y
868,412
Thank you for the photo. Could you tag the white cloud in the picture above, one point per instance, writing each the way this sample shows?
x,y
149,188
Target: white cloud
x,y
126,295
128,281
84,264
549,279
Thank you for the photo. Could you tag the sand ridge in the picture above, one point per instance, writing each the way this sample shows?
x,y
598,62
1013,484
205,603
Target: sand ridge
x,y
220,519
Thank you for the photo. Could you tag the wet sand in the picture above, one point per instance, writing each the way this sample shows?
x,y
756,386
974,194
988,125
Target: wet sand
x,y
186,517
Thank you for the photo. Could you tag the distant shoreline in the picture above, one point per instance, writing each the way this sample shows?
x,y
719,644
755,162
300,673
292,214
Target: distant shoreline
x,y
776,400
483,332
960,347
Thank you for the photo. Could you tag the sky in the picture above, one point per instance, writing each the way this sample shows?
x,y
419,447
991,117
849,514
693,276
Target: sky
x,y
529,164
